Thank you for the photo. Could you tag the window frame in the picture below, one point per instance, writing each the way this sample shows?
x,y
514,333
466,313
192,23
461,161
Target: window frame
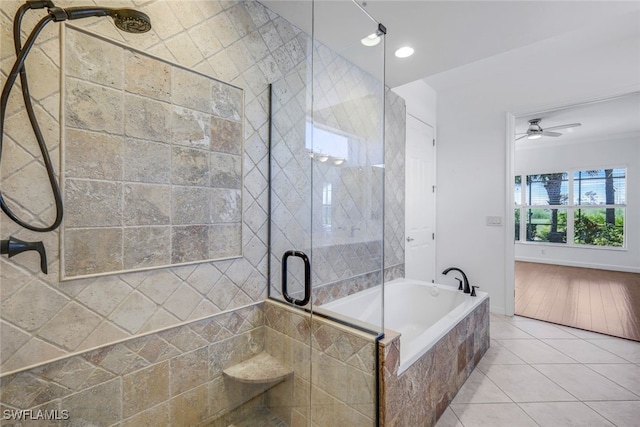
x,y
571,208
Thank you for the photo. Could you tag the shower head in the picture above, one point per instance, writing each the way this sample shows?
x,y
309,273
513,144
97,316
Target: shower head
x,y
129,20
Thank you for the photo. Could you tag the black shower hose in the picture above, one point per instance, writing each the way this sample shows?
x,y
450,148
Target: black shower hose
x,y
19,68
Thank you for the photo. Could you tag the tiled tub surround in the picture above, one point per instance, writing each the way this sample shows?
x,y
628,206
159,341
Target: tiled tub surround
x,y
175,377
421,394
241,43
152,161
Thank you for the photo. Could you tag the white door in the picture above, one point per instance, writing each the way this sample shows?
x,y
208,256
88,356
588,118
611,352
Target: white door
x,y
420,250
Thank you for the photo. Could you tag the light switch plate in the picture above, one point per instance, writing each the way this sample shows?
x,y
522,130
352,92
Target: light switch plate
x,y
494,221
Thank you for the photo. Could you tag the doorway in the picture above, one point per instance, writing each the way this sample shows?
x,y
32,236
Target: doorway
x,y
575,210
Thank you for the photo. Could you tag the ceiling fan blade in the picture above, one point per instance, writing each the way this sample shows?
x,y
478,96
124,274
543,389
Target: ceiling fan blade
x,y
520,137
547,133
567,126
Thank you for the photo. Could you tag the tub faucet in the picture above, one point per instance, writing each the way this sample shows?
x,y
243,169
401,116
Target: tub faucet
x,y
465,281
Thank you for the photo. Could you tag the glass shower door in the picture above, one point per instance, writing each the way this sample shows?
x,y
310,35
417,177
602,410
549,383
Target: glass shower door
x,y
326,219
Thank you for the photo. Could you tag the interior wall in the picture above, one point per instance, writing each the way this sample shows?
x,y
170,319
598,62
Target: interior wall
x,y
420,99
615,152
472,157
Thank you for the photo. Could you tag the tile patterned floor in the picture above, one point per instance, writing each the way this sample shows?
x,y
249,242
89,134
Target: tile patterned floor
x,y
541,374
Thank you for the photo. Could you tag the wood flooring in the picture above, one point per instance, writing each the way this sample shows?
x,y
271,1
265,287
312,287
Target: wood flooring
x,y
595,300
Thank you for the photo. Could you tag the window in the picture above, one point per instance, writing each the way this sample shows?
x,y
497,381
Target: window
x,y
584,207
600,199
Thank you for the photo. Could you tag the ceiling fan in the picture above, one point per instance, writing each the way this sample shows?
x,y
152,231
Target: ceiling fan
x,y
535,131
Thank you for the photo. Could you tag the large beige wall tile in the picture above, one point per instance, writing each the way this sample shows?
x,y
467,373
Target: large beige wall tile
x,y
92,203
147,204
33,306
93,107
147,161
146,247
145,388
83,256
108,60
146,118
70,326
146,76
93,155
100,405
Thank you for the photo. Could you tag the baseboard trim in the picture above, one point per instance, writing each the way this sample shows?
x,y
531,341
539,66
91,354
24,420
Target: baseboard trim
x,y
622,268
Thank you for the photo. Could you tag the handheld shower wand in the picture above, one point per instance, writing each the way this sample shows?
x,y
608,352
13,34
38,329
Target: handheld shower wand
x,y
128,20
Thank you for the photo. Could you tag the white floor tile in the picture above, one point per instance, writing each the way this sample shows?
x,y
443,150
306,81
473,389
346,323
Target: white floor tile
x,y
500,317
498,355
542,329
622,414
627,375
627,349
584,351
584,383
504,330
522,383
449,419
480,389
581,333
492,415
535,351
559,376
564,414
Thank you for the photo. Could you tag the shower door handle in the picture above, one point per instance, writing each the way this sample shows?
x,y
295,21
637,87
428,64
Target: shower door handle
x,y
307,278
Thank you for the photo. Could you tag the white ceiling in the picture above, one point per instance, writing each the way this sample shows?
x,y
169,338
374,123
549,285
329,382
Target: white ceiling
x,y
446,34
607,119
462,41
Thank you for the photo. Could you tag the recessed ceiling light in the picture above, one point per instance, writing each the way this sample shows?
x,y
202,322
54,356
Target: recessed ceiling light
x,y
404,52
371,40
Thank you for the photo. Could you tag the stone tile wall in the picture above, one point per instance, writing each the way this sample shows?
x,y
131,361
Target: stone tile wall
x,y
76,322
241,43
174,377
340,383
350,250
163,185
420,395
41,318
170,378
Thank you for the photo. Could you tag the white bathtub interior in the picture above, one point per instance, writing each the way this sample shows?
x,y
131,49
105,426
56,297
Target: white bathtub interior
x,y
421,312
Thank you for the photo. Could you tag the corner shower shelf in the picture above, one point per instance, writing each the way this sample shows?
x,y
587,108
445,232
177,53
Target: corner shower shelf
x,y
260,369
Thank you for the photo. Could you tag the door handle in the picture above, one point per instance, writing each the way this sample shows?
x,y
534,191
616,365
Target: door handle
x,y
307,278
410,239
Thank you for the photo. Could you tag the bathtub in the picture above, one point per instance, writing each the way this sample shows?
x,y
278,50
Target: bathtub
x,y
421,312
